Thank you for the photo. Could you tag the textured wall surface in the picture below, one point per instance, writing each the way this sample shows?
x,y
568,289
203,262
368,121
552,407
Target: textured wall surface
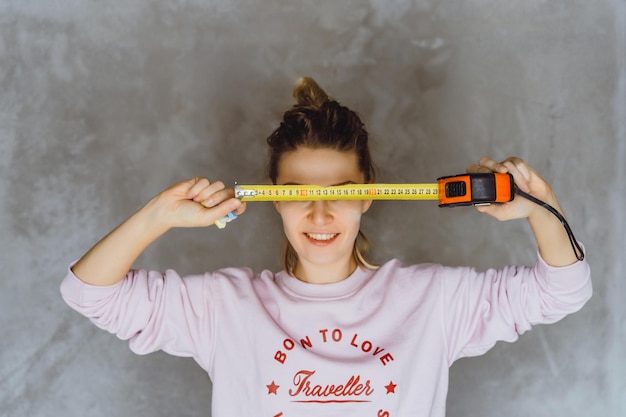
x,y
103,104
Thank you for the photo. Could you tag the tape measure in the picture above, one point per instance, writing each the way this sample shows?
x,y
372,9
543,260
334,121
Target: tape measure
x,y
456,190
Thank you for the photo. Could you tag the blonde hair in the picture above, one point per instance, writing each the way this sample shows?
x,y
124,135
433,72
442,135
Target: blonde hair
x,y
308,93
319,121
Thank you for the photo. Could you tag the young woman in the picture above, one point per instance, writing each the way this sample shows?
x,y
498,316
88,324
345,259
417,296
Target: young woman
x,y
332,334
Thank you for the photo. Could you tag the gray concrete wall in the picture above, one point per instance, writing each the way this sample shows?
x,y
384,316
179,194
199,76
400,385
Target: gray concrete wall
x,y
102,104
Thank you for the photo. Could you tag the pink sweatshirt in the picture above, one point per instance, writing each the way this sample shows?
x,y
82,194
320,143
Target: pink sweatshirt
x,y
378,344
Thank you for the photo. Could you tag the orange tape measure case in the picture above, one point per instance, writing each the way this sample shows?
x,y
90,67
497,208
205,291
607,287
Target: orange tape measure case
x,y
475,189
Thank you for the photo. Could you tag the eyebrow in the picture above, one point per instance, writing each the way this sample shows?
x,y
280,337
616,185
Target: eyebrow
x,y
332,185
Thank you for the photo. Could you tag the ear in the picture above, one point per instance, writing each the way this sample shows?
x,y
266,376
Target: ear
x,y
366,206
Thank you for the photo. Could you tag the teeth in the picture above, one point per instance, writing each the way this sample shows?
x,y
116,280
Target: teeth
x,y
321,236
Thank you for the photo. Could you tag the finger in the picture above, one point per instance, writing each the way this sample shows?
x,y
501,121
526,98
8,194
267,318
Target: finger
x,y
494,210
485,208
197,184
205,190
520,171
211,197
492,165
476,169
472,168
241,208
522,167
231,204
229,210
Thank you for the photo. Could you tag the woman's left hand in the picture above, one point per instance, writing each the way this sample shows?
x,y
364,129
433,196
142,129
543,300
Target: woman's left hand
x,y
526,178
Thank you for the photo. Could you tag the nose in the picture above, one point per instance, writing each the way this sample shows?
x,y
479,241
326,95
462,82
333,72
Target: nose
x,y
320,212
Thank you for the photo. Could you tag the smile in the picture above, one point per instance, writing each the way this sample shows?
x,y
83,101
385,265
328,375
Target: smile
x,y
321,236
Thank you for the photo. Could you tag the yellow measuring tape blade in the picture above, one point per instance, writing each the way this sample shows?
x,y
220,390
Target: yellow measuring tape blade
x,y
338,192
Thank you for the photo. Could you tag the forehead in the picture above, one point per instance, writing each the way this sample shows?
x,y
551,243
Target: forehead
x,y
318,166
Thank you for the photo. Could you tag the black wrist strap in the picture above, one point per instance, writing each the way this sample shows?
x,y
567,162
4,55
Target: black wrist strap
x,y
575,245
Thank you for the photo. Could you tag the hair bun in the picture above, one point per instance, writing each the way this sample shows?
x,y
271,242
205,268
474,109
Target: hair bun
x,y
308,93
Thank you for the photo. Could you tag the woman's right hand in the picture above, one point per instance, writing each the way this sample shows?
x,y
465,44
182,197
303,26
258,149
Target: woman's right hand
x,y
193,203
196,202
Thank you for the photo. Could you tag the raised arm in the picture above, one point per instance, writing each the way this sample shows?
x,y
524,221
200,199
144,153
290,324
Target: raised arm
x,y
552,239
193,203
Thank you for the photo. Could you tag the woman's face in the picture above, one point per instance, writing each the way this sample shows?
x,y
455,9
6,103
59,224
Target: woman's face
x,y
321,232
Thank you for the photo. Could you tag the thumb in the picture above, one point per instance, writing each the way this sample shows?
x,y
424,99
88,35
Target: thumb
x,y
214,214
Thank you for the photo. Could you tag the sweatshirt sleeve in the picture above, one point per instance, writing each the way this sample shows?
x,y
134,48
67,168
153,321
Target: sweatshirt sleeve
x,y
153,310
481,309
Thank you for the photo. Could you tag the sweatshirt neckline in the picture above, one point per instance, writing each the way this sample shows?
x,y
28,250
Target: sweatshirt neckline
x,y
339,289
